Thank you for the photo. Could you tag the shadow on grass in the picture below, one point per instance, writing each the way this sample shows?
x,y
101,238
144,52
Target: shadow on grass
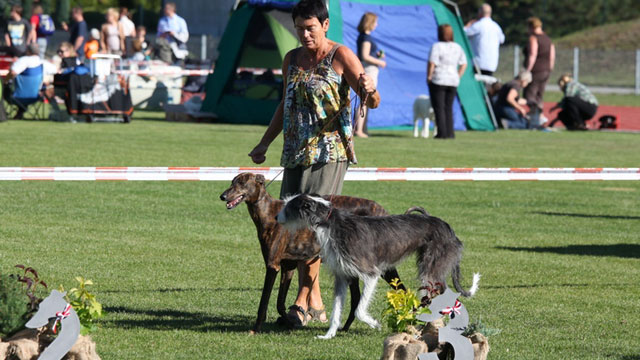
x,y
170,290
617,217
630,357
172,319
631,251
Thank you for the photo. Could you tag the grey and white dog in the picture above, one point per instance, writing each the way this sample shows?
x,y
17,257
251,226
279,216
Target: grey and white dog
x,y
366,246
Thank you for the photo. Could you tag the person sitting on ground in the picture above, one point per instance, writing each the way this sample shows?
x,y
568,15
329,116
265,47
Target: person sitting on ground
x,y
509,107
578,104
17,32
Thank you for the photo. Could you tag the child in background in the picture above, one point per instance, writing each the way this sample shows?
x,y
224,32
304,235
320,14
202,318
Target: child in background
x,y
145,48
92,46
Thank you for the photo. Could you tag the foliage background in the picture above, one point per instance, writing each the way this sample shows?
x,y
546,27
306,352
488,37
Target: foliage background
x,y
559,17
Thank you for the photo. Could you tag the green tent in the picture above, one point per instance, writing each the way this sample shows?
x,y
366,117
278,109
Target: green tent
x,y
406,31
256,39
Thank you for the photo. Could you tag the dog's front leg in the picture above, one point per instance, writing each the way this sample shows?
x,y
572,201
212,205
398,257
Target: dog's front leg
x,y
340,292
367,293
269,279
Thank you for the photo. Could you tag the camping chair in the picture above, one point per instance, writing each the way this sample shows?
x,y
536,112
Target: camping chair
x,y
24,95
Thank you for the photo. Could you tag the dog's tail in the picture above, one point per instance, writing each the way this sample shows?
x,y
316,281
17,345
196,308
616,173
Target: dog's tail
x,y
455,274
417,209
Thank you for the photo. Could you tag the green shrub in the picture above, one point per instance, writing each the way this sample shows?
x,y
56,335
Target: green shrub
x,y
403,307
477,326
89,310
14,305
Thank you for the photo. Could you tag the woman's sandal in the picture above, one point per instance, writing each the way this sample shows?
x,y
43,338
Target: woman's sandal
x,y
293,317
317,314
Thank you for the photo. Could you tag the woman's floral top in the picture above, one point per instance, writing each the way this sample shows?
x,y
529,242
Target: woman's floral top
x,y
317,116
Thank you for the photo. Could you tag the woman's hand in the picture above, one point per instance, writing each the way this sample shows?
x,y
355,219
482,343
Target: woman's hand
x,y
366,82
258,154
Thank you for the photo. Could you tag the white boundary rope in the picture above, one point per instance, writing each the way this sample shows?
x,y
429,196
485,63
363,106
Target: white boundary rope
x,y
353,174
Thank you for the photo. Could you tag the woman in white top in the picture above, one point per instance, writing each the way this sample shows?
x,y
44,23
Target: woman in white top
x,y
447,63
128,30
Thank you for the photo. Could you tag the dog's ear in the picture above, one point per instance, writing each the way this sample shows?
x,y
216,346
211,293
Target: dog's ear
x,y
260,179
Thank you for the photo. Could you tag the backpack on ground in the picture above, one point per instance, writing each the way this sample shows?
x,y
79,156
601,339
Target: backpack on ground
x,y
46,26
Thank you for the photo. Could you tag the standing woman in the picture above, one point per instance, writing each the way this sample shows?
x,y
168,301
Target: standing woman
x,y
112,34
447,63
371,58
315,120
540,58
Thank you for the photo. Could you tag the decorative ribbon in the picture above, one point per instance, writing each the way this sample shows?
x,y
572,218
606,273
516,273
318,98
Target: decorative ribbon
x,y
60,315
452,311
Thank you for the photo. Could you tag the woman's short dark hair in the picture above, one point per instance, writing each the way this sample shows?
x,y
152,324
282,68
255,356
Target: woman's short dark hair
x,y
18,9
445,32
308,9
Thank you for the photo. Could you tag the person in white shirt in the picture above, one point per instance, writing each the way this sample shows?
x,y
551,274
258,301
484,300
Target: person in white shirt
x,y
447,63
128,30
485,36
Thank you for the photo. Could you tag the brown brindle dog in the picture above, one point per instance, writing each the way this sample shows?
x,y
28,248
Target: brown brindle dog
x,y
283,250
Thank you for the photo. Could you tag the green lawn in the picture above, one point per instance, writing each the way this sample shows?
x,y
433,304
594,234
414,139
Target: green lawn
x,y
180,276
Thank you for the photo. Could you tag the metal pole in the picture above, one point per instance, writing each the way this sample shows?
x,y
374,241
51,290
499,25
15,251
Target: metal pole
x,y
638,72
203,46
576,63
516,60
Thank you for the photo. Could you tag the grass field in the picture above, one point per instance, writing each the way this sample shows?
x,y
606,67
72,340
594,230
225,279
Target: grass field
x,y
180,276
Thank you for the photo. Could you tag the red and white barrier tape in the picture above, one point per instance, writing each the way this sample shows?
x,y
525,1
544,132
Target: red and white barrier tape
x,y
182,72
354,174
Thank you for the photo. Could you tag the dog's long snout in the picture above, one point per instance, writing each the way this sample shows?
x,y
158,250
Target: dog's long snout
x,y
223,196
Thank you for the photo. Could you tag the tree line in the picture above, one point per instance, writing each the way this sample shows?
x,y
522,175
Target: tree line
x,y
559,17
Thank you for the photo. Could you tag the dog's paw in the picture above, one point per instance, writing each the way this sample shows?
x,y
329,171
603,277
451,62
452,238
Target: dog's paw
x,y
326,336
374,324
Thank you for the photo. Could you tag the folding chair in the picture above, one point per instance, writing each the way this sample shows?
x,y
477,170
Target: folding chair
x,y
24,97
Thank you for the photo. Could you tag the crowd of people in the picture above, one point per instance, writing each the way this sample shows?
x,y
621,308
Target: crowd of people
x,y
28,41
118,35
518,104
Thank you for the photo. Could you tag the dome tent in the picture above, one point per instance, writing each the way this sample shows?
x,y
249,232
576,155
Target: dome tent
x,y
406,31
